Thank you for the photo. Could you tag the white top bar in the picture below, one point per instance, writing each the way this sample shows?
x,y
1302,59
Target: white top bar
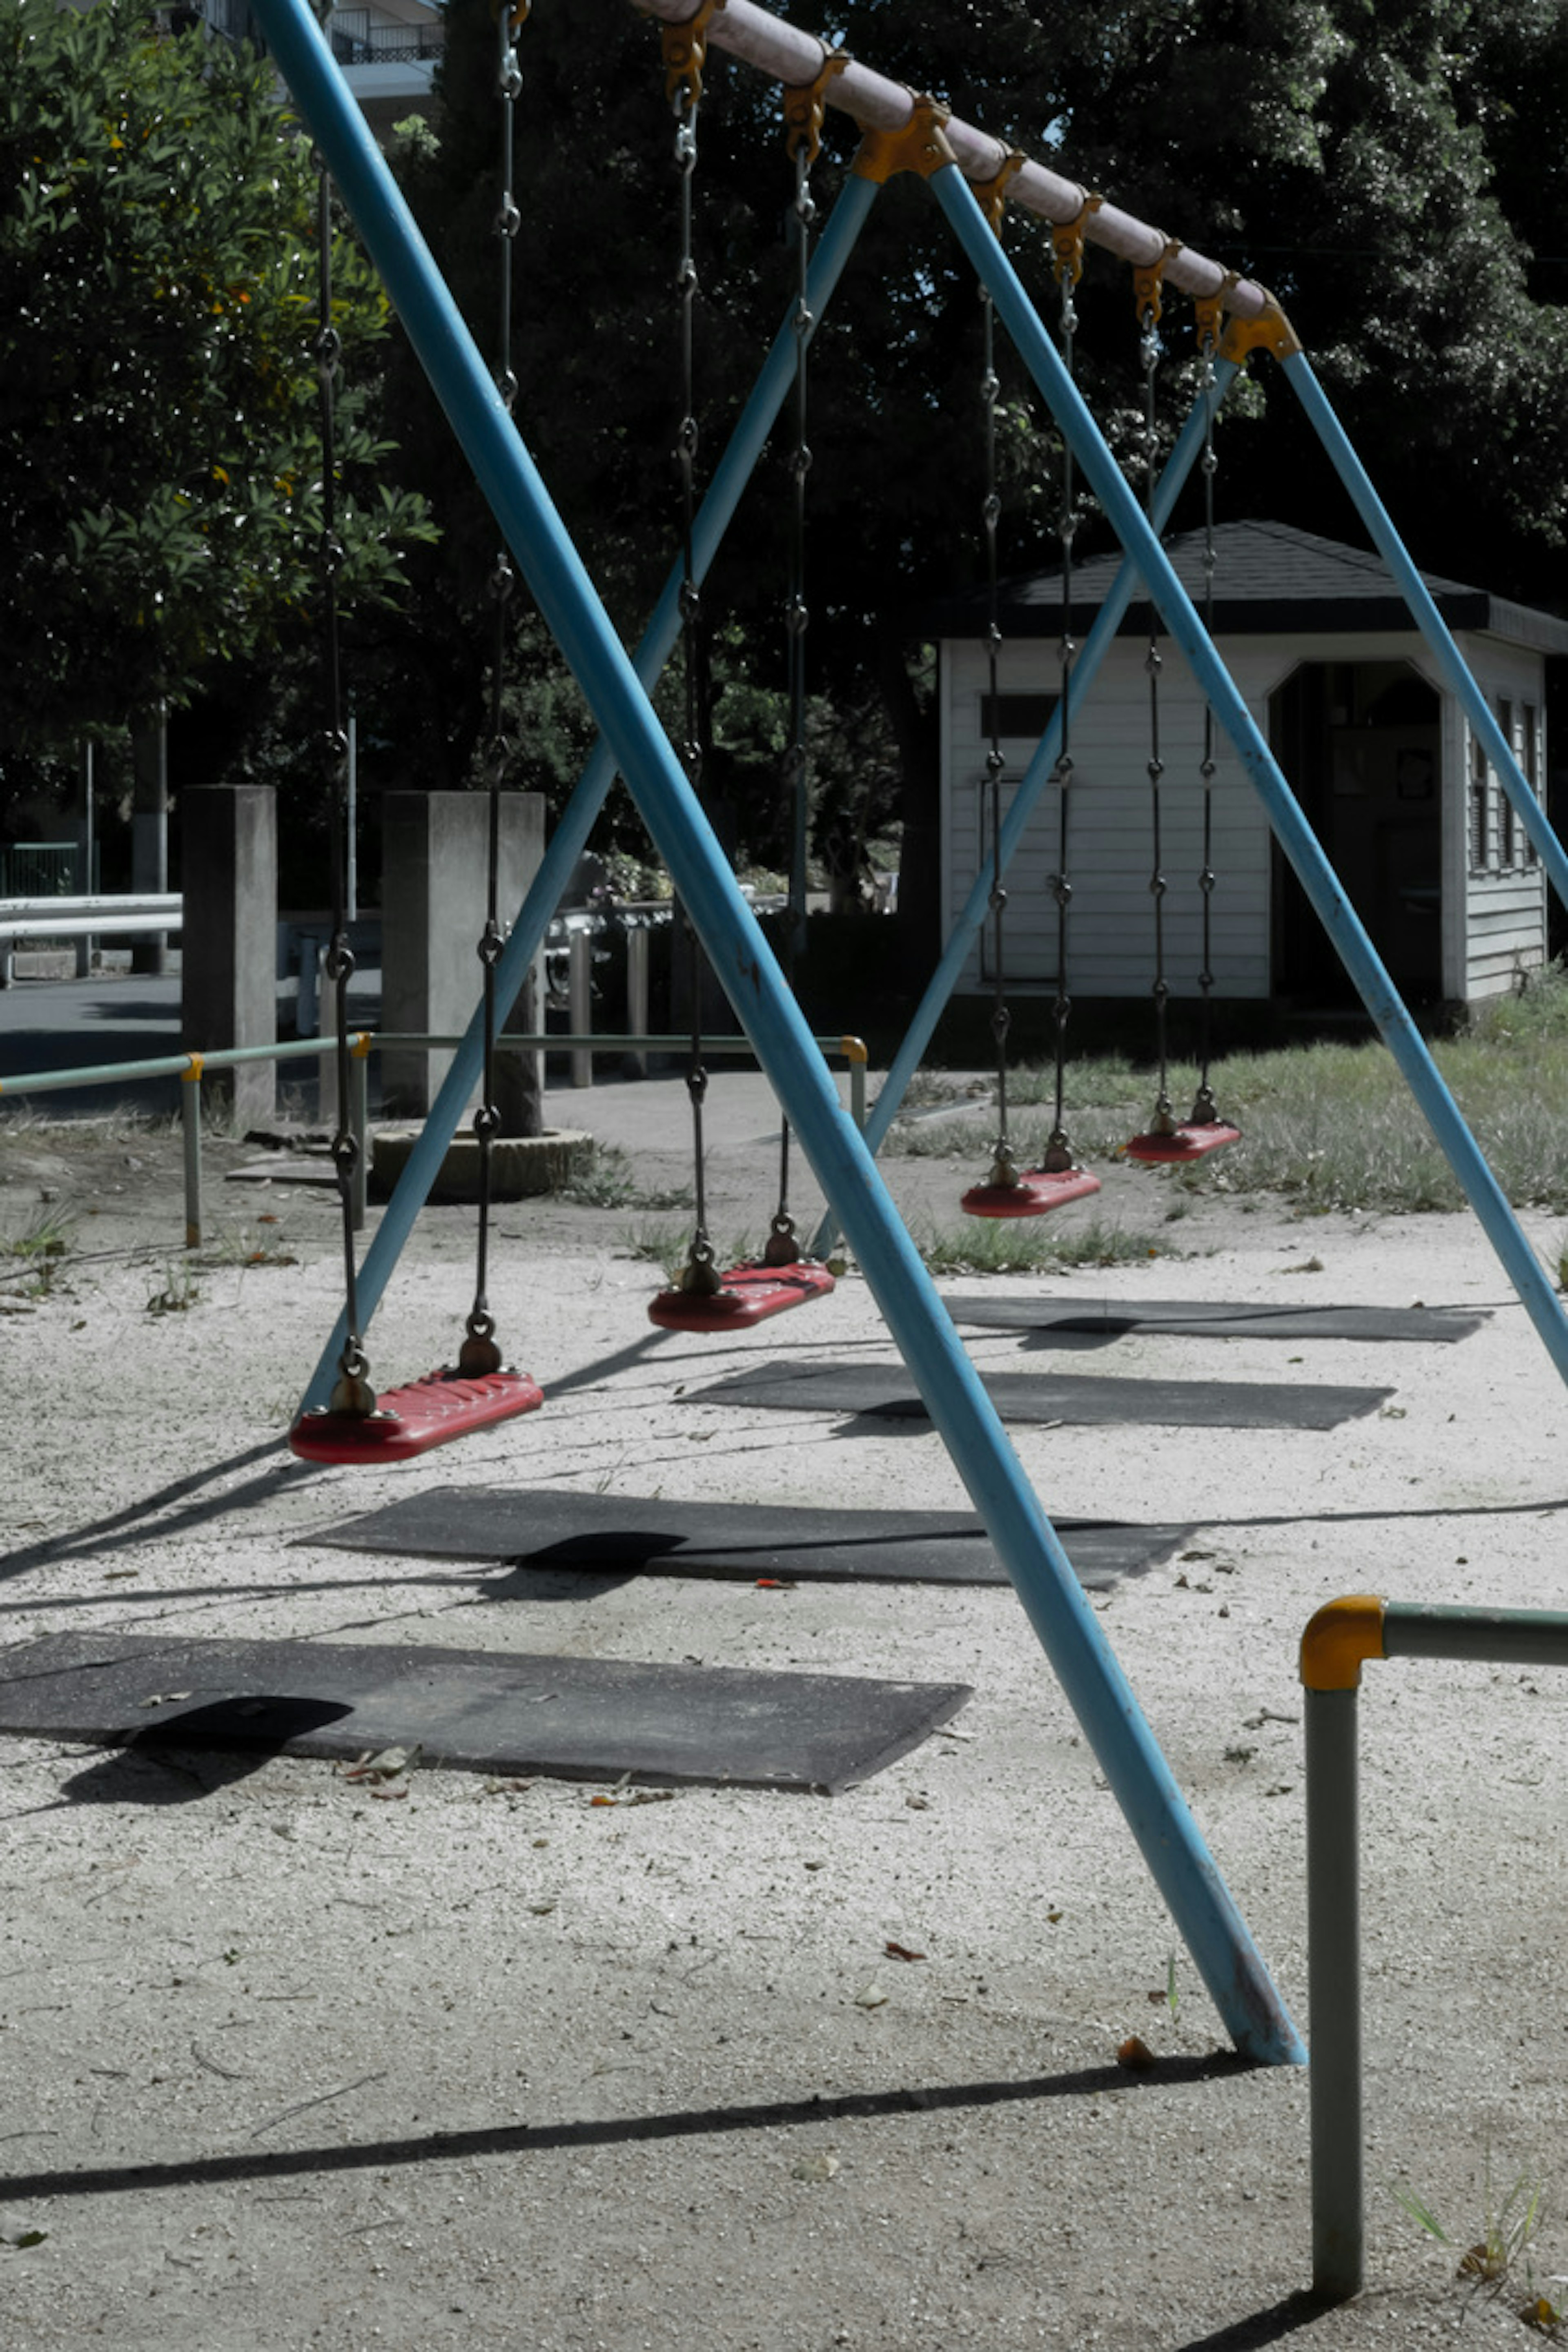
x,y
794,58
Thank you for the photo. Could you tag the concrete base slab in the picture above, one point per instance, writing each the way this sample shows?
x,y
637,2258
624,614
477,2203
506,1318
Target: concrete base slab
x,y
560,1717
879,1392
634,1535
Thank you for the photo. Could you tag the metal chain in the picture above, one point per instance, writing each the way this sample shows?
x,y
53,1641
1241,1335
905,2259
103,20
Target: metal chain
x,y
1005,1169
1059,1156
1205,1112
699,1275
353,1393
480,1354
781,1248
1164,1122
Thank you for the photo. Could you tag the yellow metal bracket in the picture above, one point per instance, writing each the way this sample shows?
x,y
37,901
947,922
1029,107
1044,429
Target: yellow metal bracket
x,y
1270,332
1067,240
1147,282
191,1075
804,107
1339,1639
991,195
1209,311
920,145
685,48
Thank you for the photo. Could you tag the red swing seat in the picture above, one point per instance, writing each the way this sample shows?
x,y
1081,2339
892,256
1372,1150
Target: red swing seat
x,y
411,1420
1037,1190
746,1295
1190,1141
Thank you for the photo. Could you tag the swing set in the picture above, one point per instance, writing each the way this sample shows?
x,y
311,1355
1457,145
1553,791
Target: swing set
x,y
901,134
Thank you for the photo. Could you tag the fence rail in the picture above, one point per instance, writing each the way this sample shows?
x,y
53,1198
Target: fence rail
x,y
191,1068
1339,1640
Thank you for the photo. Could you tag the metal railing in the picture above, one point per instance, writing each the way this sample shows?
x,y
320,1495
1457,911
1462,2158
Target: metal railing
x,y
1340,1638
191,1068
38,870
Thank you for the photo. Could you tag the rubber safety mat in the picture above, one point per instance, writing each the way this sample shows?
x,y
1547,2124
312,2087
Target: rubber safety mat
x,y
886,1392
543,1527
1096,1320
563,1718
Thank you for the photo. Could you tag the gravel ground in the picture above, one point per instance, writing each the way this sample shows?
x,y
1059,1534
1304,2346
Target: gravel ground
x,y
493,2065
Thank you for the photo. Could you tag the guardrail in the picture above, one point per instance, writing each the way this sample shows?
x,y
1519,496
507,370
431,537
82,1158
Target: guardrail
x,y
191,1068
1336,1644
121,917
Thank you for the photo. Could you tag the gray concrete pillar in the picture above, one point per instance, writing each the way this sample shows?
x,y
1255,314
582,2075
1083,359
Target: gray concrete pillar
x,y
228,990
150,829
433,896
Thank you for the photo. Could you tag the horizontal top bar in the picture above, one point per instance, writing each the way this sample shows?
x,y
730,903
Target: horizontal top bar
x,y
123,902
794,59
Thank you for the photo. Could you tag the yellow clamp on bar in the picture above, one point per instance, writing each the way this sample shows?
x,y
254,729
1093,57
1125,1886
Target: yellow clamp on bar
x,y
1146,282
804,107
1209,311
362,1045
191,1075
1067,240
922,145
1338,1639
854,1049
685,48
991,195
516,15
1270,332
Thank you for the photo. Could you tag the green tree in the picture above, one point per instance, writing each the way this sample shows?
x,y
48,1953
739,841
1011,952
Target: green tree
x,y
160,467
1379,166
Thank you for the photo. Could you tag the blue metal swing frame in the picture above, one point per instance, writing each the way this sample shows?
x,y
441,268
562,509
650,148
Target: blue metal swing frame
x,y
634,743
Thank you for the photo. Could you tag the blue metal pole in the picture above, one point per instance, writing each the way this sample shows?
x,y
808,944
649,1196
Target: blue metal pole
x,y
1027,1545
1036,776
570,838
1293,833
1527,805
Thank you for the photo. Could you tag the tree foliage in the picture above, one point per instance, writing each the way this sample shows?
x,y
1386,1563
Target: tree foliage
x,y
160,469
1384,168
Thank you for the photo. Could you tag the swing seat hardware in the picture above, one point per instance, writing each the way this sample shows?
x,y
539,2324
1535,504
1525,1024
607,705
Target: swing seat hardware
x,y
1183,1143
746,1295
411,1420
1035,1191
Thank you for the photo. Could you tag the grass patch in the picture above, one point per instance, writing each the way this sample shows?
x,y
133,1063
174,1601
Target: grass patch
x,y
1030,1245
1330,1126
609,1181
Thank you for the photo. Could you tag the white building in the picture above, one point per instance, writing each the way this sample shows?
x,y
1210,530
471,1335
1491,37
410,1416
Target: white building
x,y
387,51
1375,746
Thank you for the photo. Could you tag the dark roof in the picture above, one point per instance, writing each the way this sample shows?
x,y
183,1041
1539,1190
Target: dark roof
x,y
1270,581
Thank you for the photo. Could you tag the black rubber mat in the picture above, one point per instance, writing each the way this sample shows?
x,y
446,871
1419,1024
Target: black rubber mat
x,y
886,1392
1094,1321
545,1528
564,1719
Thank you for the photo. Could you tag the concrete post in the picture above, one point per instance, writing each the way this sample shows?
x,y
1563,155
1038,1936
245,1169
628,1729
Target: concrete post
x,y
433,896
150,829
229,992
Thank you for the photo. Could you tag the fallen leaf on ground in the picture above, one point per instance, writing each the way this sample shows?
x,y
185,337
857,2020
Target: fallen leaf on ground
x,y
814,2167
902,1952
1136,2053
871,1996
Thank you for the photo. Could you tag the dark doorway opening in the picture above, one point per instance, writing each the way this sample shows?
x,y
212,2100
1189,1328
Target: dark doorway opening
x,y
1360,744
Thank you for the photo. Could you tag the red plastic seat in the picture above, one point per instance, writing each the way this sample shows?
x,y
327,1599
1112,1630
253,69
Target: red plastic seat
x,y
1037,1190
408,1421
1189,1142
746,1295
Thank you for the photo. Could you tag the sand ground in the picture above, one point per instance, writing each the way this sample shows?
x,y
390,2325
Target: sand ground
x,y
493,2066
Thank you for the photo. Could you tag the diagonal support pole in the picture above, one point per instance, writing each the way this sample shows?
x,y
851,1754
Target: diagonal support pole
x,y
1291,829
1029,1547
577,823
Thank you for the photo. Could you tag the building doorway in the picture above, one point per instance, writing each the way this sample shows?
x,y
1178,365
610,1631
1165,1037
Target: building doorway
x,y
1361,747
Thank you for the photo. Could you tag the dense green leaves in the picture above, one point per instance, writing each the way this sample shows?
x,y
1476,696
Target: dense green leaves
x,y
160,473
